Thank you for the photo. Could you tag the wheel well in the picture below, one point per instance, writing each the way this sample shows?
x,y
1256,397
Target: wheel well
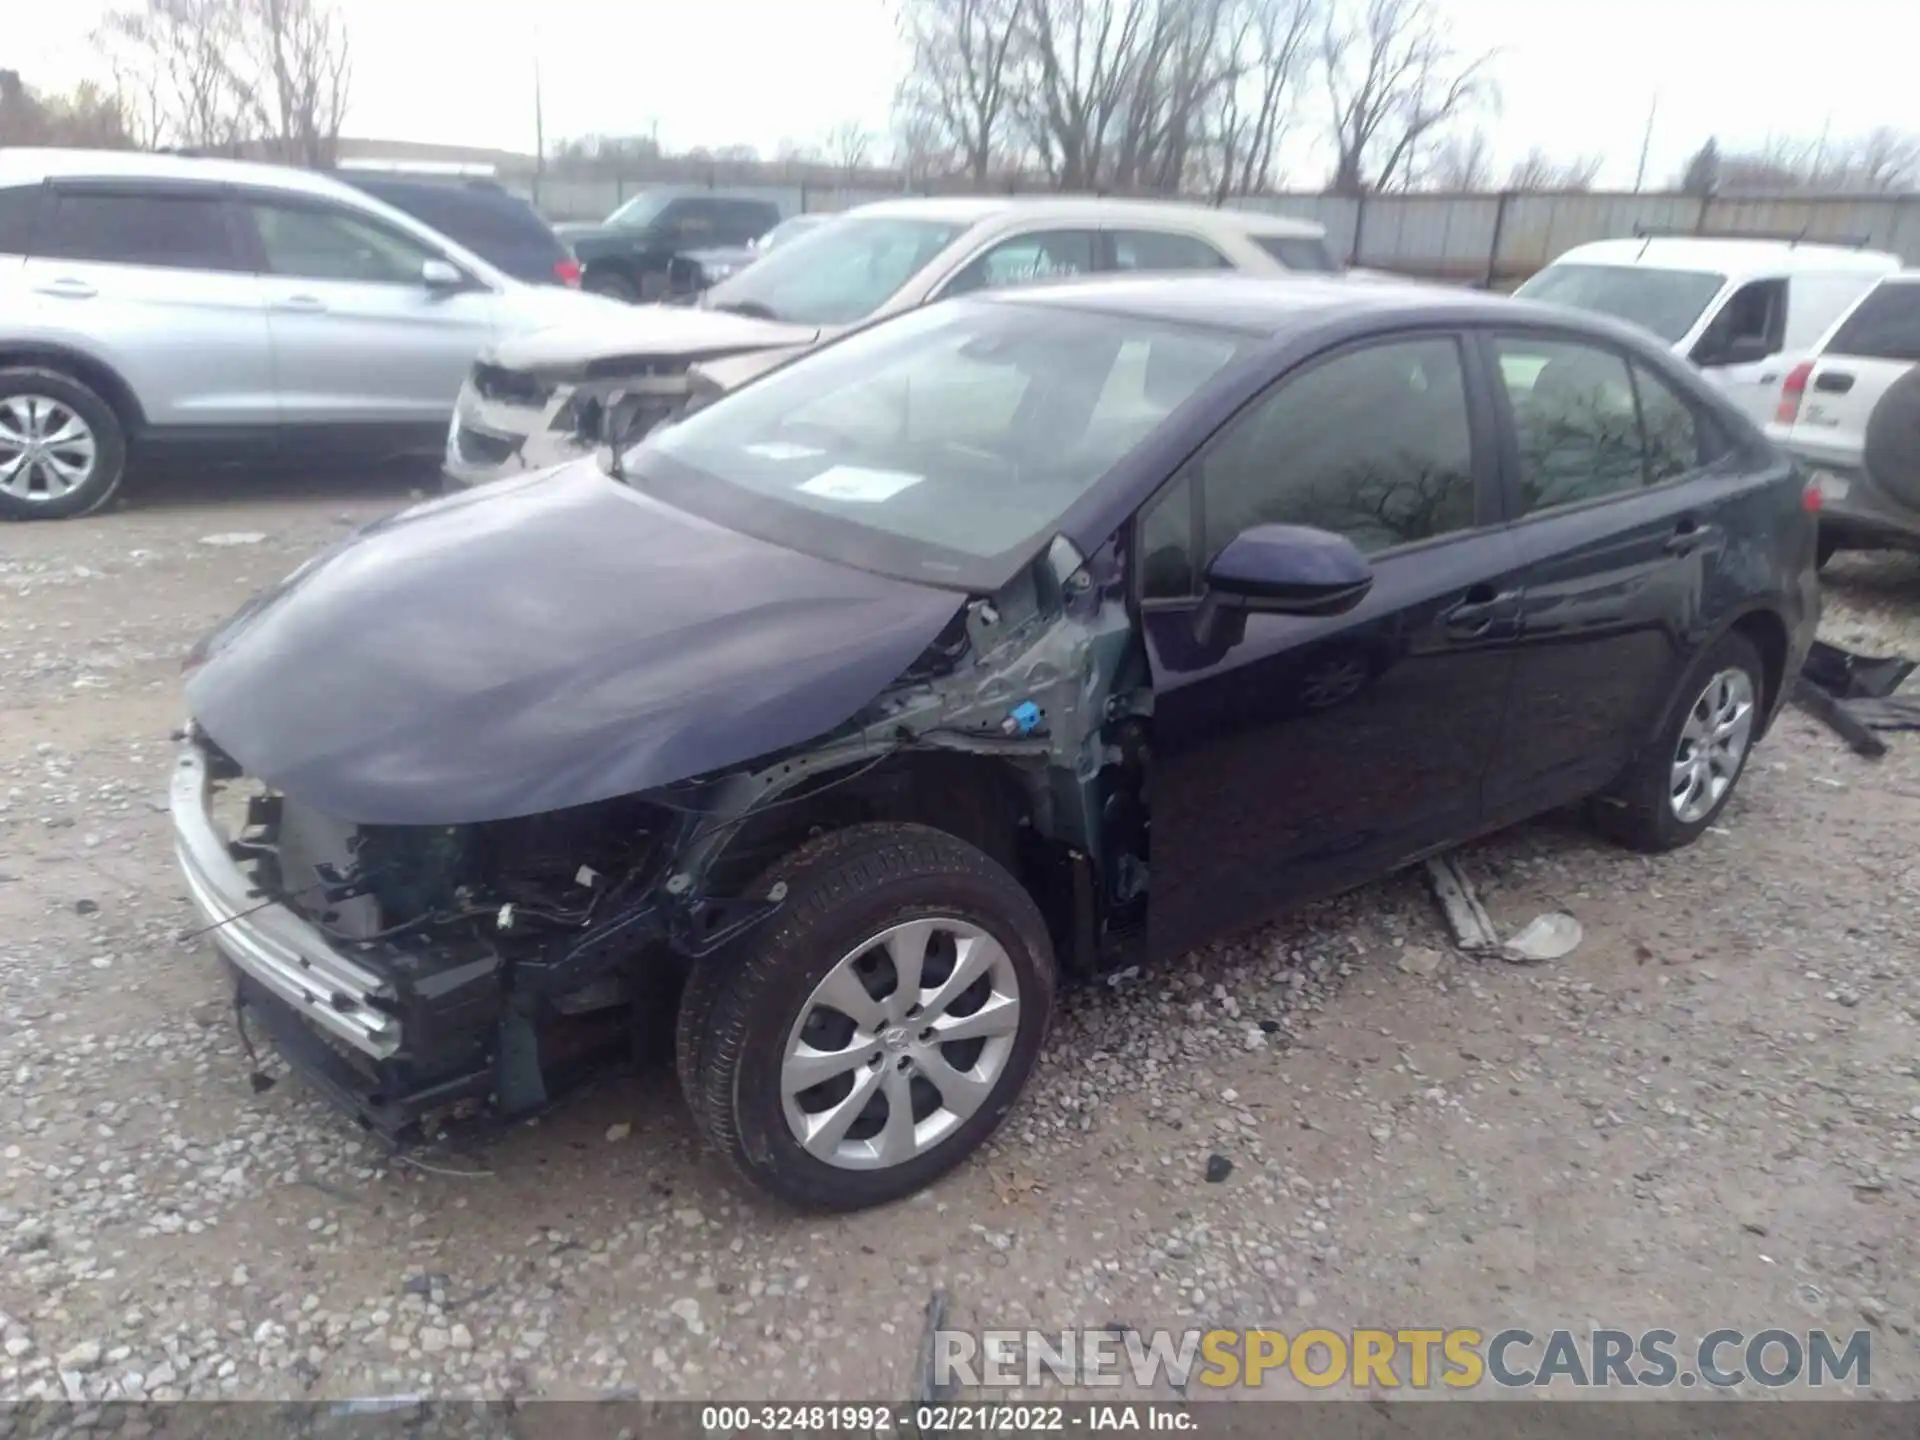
x,y
101,378
1768,633
978,799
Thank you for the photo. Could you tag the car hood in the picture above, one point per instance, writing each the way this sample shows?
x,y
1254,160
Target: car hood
x,y
523,309
540,644
572,230
631,335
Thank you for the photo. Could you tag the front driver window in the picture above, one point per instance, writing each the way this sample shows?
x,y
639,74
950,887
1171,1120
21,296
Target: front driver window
x,y
1373,445
313,243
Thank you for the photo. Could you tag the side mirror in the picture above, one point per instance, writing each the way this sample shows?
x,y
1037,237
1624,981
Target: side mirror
x,y
1283,570
441,275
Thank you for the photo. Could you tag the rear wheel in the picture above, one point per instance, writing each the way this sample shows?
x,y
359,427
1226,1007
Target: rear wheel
x,y
611,284
1825,549
62,449
1683,781
879,1029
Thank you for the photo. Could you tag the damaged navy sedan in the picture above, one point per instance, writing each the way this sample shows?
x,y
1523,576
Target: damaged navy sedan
x,y
1025,635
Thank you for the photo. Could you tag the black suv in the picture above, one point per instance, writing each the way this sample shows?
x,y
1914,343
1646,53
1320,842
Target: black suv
x,y
485,217
630,254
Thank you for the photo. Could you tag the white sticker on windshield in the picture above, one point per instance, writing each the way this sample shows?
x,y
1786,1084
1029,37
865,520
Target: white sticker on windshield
x,y
863,486
783,450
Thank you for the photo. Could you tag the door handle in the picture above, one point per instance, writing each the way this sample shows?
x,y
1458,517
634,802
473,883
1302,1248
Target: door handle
x,y
67,289
301,304
1835,382
1479,610
1689,537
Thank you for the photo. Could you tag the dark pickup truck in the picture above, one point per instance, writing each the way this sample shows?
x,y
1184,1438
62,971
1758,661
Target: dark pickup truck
x,y
630,254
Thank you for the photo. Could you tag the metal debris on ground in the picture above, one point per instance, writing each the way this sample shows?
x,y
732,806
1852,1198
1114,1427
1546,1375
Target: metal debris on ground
x,y
926,1388
1853,695
1472,927
1546,937
233,537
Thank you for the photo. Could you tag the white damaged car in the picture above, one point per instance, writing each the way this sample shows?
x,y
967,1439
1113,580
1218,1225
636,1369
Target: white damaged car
x,y
541,399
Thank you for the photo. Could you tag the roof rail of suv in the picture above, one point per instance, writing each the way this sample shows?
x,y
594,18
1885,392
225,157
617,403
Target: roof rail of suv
x,y
1791,237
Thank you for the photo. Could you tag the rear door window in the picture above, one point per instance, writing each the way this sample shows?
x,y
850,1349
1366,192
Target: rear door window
x,y
1884,326
1159,250
173,230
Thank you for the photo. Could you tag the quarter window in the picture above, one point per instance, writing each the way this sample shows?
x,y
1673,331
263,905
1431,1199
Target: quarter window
x,y
314,243
175,231
1047,255
1676,440
1373,444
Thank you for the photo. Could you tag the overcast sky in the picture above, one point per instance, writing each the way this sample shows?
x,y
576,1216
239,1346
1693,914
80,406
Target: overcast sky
x,y
1578,76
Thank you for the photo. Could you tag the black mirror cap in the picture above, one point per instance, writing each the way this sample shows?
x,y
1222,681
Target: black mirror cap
x,y
1290,570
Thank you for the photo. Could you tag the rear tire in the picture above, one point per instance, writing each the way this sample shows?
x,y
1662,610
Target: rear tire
x,y
1824,550
762,1017
613,285
63,451
1891,445
1684,779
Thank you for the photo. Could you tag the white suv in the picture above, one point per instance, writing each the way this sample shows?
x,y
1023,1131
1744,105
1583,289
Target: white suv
x,y
1823,418
150,302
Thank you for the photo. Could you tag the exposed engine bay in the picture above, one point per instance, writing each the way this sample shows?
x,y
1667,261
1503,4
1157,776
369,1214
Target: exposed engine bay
x,y
515,955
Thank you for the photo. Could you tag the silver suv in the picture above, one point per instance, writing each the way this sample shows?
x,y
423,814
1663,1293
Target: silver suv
x,y
154,302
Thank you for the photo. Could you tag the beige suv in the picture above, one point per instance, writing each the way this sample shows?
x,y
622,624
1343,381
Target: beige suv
x,y
547,397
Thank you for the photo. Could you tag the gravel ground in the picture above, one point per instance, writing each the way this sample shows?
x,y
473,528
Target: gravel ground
x,y
1707,1115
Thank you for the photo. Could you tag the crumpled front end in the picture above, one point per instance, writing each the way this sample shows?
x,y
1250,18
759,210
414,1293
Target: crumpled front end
x,y
408,970
508,423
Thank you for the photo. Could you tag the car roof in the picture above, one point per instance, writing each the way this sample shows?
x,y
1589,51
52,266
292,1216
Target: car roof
x,y
1088,209
1731,256
1278,306
24,165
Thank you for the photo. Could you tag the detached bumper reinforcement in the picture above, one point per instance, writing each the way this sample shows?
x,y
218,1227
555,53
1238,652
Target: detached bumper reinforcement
x,y
286,957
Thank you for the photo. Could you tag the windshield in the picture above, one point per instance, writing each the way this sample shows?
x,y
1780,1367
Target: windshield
x,y
835,274
950,436
792,228
642,209
1667,302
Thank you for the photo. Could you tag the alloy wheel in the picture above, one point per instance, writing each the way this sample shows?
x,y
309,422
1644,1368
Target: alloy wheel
x,y
47,450
1713,743
900,1044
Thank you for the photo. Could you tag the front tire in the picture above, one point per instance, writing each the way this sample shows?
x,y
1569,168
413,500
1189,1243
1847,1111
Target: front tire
x,y
1685,778
613,285
63,451
875,1032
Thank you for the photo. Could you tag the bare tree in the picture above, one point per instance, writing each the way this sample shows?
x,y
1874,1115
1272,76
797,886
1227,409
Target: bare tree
x,y
1463,162
848,146
301,67
1081,61
1702,173
217,74
1887,160
1539,171
1265,42
920,148
1393,81
956,94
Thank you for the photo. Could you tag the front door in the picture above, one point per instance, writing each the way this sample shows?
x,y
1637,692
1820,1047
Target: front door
x,y
1743,349
1618,526
359,338
1312,754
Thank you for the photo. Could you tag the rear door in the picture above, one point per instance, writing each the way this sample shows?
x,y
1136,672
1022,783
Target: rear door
x,y
1873,346
359,337
1622,519
1315,753
156,279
